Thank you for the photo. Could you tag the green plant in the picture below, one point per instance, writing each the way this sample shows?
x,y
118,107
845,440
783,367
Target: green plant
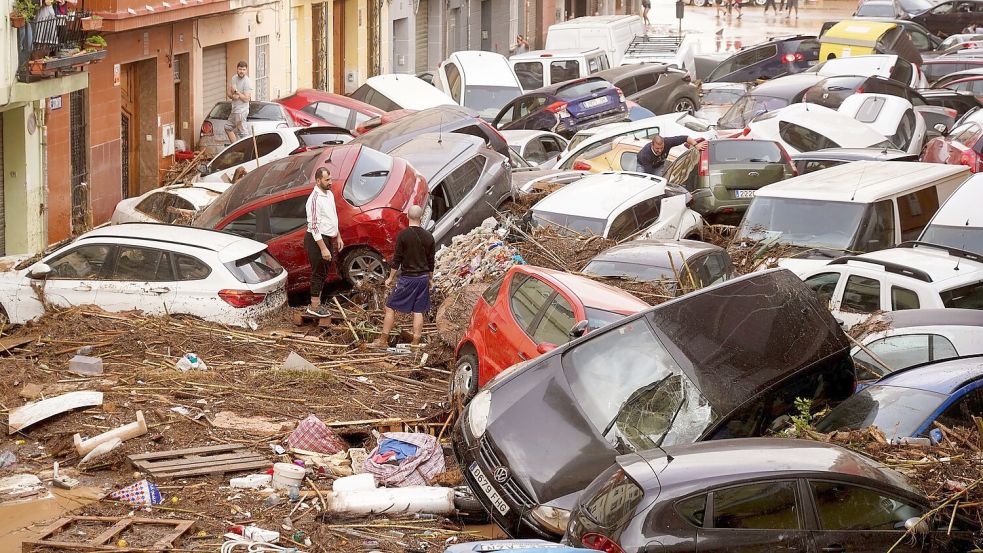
x,y
96,40
26,8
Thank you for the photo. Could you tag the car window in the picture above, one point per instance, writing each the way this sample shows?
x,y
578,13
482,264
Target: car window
x,y
368,177
843,506
809,166
240,152
551,146
578,89
453,81
943,8
561,71
154,205
803,139
906,130
534,152
260,111
693,510
462,180
190,268
755,55
760,506
83,262
256,268
491,293
627,86
593,66
901,352
823,284
920,40
623,226
530,74
246,225
142,264
611,501
555,325
507,115
965,297
440,201
902,71
647,211
529,105
719,267
915,210
629,161
336,115
744,151
862,294
314,137
961,412
903,298
286,216
877,230
526,299
646,80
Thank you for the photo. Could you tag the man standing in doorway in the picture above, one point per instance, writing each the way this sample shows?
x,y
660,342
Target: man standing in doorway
x,y
414,258
652,157
322,240
240,92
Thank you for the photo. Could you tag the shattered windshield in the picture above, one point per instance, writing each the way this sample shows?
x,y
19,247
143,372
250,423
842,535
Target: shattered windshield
x,y
747,108
807,223
633,391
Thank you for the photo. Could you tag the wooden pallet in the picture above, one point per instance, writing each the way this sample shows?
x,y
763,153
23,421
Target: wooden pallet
x,y
199,461
115,526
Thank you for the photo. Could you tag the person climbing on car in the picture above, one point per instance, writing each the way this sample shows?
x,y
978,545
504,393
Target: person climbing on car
x,y
652,157
322,241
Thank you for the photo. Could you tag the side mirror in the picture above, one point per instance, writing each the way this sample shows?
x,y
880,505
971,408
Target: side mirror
x,y
203,169
545,347
941,128
431,225
916,525
40,271
579,329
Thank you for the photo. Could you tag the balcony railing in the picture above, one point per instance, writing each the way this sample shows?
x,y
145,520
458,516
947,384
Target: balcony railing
x,y
53,45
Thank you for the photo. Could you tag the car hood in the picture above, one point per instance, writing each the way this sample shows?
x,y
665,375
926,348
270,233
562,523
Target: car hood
x,y
802,265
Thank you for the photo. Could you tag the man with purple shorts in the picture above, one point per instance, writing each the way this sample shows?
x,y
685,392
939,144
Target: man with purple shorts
x,y
414,259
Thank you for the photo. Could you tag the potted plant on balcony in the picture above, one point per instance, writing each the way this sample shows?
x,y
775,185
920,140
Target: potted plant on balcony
x,y
91,23
95,42
22,12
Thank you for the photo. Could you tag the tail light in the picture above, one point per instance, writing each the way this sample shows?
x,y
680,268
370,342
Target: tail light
x,y
705,162
788,159
950,112
600,542
621,95
971,160
556,107
860,90
300,150
790,58
241,298
207,129
581,166
303,122
746,131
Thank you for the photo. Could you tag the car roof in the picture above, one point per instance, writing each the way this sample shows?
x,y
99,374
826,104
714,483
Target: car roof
x,y
313,95
823,120
860,181
593,20
633,69
787,86
598,195
907,318
409,86
591,293
493,69
943,377
229,247
430,153
426,120
853,154
962,208
937,263
738,459
655,253
557,53
879,60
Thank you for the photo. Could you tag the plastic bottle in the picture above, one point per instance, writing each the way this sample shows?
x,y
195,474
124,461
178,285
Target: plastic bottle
x,y
255,533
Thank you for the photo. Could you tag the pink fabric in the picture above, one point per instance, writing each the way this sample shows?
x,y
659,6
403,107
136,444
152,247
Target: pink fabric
x,y
417,470
313,435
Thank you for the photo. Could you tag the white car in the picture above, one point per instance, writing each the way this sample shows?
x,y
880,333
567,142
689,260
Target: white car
x,y
535,146
482,81
888,66
619,206
910,276
891,116
262,117
670,124
959,222
269,146
396,91
168,204
914,336
808,127
157,269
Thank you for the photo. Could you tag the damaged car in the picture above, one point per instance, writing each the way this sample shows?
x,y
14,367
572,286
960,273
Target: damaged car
x,y
724,362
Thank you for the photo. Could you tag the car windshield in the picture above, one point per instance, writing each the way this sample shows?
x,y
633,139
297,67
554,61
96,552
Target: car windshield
x,y
722,96
488,100
747,108
969,296
915,6
745,151
573,224
807,223
876,9
898,412
969,239
633,392
368,177
637,271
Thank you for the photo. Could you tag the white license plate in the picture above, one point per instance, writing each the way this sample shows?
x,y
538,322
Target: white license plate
x,y
744,193
595,102
488,490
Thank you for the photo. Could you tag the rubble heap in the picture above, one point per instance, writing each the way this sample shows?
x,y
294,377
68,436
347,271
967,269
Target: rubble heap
x,y
475,257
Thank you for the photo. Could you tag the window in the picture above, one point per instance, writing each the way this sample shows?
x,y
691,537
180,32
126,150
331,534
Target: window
x,y
440,202
627,86
315,137
646,212
693,510
142,264
527,298
336,115
190,268
920,40
903,298
901,352
961,412
529,105
534,152
877,231
368,177
243,225
581,88
83,262
491,293
558,319
552,147
256,268
803,139
262,71
816,165
845,507
915,210
870,109
629,161
530,74
823,284
862,294
611,500
906,130
903,71
623,226
287,216
506,116
719,267
462,180
964,297
453,81
562,71
154,205
745,151
763,506
245,151
646,80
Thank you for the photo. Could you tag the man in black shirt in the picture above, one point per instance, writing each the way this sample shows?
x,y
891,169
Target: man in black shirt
x,y
652,157
414,259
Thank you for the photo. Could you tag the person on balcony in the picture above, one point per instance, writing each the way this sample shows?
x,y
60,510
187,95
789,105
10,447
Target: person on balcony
x,y
45,25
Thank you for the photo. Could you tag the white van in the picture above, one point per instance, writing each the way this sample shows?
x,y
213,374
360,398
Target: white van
x,y
611,33
852,208
482,81
959,222
548,67
397,91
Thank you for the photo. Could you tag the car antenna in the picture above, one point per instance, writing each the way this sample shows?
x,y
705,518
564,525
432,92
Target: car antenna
x,y
962,246
857,186
440,130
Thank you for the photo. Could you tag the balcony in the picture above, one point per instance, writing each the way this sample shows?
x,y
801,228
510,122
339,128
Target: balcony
x,y
56,46
124,15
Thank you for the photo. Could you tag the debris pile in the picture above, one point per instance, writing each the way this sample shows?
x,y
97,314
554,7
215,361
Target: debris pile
x,y
477,256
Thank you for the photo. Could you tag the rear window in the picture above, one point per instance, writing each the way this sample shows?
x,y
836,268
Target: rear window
x,y
368,177
612,501
964,297
745,151
582,88
569,223
255,269
803,139
316,137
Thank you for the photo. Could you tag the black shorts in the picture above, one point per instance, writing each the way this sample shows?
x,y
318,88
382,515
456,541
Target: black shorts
x,y
646,4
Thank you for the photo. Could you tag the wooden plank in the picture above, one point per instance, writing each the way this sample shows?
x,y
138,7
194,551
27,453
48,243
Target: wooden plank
x,y
32,413
111,532
373,421
11,342
232,458
237,467
193,450
167,541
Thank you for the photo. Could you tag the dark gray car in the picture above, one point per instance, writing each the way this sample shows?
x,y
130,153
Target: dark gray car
x,y
695,264
440,119
467,180
656,87
808,162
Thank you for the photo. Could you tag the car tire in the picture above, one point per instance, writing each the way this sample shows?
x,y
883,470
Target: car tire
x,y
464,380
683,103
469,509
363,263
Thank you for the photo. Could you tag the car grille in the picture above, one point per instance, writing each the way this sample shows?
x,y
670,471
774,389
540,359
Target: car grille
x,y
510,488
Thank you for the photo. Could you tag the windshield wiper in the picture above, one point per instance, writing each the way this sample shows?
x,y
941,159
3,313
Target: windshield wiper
x,y
634,394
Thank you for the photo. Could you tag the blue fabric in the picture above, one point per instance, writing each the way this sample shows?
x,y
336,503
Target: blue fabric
x,y
401,449
411,295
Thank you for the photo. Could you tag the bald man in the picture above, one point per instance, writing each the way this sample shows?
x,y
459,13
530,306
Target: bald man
x,y
414,261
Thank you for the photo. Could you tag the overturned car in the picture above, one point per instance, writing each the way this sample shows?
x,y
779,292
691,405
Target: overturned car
x,y
724,362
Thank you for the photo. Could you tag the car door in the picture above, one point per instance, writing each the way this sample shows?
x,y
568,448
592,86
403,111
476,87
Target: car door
x,y
860,297
967,12
511,322
141,279
470,204
559,317
191,289
506,117
936,19
530,115
825,286
851,518
281,225
758,517
77,274
244,154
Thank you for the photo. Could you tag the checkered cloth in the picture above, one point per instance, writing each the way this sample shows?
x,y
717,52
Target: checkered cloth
x,y
140,493
417,470
313,435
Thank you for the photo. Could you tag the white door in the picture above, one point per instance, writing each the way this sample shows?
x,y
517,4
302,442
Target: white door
x,y
142,279
857,298
214,78
76,276
192,294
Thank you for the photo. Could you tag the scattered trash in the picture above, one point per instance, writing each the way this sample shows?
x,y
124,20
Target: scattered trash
x,y
358,455
123,433
294,362
7,458
313,435
181,410
85,365
335,465
255,533
405,459
32,413
62,481
272,501
199,461
251,481
143,492
293,494
477,256
278,449
190,362
257,425
20,486
357,482
84,350
106,532
101,449
286,475
406,500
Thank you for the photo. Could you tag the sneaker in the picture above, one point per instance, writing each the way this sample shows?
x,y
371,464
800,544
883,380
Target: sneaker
x,y
321,311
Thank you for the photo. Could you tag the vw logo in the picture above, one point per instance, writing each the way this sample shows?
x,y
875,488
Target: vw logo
x,y
501,475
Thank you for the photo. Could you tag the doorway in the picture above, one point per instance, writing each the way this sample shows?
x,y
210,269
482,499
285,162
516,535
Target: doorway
x,y
129,130
319,22
338,45
182,99
79,146
486,22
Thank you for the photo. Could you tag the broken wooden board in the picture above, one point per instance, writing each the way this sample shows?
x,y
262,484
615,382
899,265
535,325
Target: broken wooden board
x,y
11,342
200,461
24,416
257,425
115,526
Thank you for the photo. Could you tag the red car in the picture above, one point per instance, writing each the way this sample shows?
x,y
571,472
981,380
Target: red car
x,y
314,107
383,119
372,193
528,312
962,146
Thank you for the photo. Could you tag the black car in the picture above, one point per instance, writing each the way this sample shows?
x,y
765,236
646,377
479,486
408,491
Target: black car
x,y
655,86
808,162
772,58
768,96
758,495
722,362
457,119
951,16
565,108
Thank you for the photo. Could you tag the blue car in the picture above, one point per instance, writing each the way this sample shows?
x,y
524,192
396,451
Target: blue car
x,y
511,546
907,403
565,108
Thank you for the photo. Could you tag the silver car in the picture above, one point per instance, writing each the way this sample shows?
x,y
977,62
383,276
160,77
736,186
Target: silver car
x,y
262,117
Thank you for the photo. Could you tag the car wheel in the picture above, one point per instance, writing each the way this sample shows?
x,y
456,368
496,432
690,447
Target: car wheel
x,y
683,103
469,508
464,381
363,264
699,3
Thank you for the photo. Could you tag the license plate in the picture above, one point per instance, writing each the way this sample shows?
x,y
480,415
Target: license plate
x,y
744,193
488,490
594,103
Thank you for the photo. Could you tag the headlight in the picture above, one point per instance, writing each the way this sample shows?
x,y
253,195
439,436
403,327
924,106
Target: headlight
x,y
553,518
478,413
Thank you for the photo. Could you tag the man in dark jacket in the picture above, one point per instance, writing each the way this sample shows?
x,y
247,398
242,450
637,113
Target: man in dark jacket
x,y
652,157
